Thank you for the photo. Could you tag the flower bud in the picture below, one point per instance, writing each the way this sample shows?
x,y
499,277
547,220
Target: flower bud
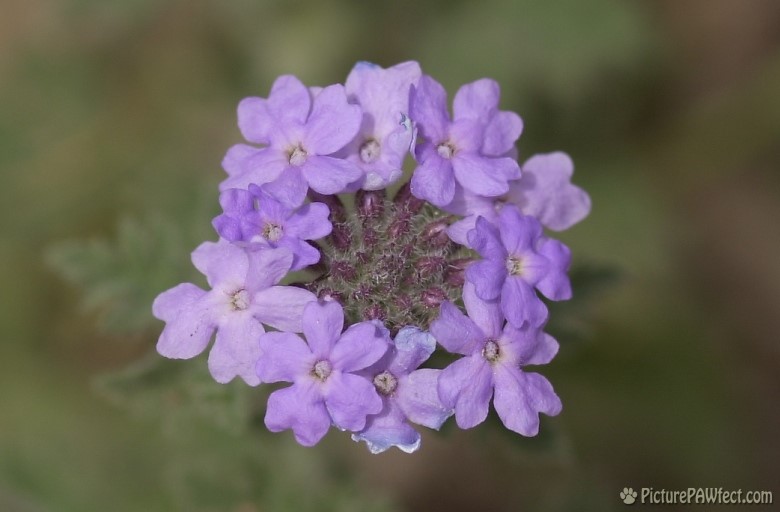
x,y
370,204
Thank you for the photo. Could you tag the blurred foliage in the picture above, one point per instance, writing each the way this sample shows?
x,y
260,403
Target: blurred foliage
x,y
115,116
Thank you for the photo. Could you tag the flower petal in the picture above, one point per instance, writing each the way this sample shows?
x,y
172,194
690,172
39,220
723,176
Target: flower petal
x,y
486,240
485,314
428,108
246,167
254,120
488,277
310,222
289,100
467,385
189,324
359,347
222,263
546,192
486,176
520,397
520,303
322,325
282,307
433,181
328,175
555,285
455,331
333,123
284,357
266,266
477,100
501,133
289,188
303,253
350,399
418,398
518,232
412,347
301,408
387,429
236,349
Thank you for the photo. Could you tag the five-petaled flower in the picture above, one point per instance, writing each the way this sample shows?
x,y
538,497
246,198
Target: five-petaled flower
x,y
326,389
469,150
300,132
408,394
494,354
242,298
517,259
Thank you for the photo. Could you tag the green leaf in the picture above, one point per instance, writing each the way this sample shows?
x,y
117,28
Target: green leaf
x,y
121,277
177,392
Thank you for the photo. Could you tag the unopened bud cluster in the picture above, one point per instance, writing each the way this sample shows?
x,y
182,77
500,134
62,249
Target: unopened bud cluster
x,y
392,261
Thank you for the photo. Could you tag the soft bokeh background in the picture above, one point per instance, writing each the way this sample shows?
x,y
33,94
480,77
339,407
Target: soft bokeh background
x,y
114,117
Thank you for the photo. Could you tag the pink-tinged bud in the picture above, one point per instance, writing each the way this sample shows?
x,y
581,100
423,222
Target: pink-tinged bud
x,y
430,265
404,200
370,204
337,211
370,238
403,302
374,312
455,273
362,257
340,237
342,270
328,295
362,292
399,227
433,297
435,233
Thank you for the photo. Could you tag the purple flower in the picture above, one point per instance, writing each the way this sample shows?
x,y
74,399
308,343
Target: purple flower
x,y
544,191
468,150
407,395
492,366
517,259
386,132
241,300
258,219
325,388
299,133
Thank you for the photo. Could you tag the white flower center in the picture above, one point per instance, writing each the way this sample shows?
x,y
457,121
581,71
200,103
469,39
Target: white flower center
x,y
298,156
445,150
272,232
322,370
369,151
514,266
491,352
385,383
239,300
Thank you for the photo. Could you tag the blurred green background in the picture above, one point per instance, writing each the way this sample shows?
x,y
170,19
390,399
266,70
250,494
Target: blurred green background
x,y
114,117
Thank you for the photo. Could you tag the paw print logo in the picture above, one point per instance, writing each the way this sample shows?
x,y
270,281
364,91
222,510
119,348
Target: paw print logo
x,y
628,495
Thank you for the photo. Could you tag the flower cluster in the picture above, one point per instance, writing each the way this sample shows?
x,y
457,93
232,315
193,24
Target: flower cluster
x,y
456,258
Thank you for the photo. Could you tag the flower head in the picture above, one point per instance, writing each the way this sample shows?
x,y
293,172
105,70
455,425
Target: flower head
x,y
391,268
